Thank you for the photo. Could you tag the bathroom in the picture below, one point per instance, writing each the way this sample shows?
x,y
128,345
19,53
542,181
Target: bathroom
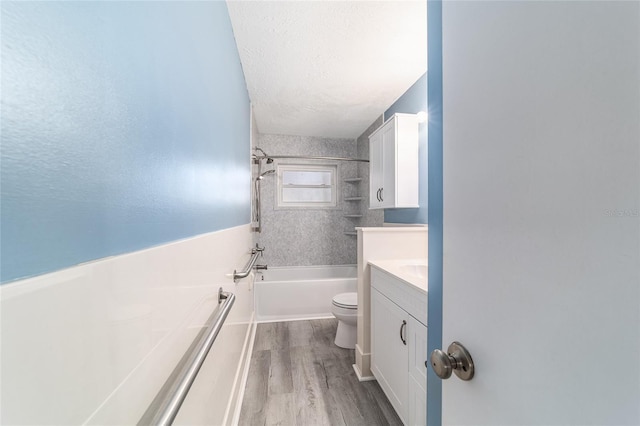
x,y
123,243
140,181
311,200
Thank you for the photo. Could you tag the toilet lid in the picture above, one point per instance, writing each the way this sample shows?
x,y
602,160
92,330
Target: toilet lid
x,y
346,300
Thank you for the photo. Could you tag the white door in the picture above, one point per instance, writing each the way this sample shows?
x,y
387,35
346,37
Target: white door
x,y
541,252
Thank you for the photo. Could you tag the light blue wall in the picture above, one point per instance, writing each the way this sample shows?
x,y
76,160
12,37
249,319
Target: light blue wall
x,y
413,101
124,125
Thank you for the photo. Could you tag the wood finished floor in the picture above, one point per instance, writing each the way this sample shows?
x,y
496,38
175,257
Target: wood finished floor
x,y
298,376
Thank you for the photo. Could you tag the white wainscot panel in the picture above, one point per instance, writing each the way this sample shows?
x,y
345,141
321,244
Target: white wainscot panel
x,y
94,343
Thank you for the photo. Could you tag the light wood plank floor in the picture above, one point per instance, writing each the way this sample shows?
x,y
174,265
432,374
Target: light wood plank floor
x,y
298,376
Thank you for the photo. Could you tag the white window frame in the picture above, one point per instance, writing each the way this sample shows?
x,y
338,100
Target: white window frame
x,y
283,204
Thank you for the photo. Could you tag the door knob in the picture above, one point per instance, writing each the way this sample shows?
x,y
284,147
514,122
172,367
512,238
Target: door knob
x,y
457,359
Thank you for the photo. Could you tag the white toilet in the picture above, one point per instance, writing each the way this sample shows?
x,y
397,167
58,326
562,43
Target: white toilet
x,y
345,309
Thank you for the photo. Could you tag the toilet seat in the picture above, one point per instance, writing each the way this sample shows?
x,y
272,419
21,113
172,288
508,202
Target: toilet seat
x,y
346,300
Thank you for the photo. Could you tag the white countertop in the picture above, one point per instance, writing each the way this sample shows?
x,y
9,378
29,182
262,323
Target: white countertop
x,y
401,268
421,228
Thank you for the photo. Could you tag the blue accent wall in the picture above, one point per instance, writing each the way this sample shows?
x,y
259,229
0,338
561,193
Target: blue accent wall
x,y
413,101
124,125
434,338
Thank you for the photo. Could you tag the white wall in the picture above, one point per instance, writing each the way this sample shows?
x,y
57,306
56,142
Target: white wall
x,y
95,342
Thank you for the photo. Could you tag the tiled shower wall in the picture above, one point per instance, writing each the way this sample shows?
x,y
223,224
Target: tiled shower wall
x,y
303,236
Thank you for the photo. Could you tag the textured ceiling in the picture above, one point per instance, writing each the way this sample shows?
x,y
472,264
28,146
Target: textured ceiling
x,y
327,68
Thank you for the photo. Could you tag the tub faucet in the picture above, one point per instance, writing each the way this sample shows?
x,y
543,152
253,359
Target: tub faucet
x,y
261,267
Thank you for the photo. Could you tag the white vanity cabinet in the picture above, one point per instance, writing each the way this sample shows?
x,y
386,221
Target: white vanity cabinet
x,y
393,163
399,344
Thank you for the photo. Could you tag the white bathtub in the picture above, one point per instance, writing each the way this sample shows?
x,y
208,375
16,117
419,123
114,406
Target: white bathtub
x,y
301,292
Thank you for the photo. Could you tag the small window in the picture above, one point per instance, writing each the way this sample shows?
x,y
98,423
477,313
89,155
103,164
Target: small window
x,y
304,185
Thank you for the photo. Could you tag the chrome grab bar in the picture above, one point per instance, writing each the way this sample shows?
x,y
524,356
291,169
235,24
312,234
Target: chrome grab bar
x,y
165,406
249,266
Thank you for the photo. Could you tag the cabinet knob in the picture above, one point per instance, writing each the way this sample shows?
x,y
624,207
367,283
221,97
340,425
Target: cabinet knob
x,y
403,327
457,359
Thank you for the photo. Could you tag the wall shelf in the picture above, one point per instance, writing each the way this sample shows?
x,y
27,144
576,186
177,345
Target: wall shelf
x,y
353,213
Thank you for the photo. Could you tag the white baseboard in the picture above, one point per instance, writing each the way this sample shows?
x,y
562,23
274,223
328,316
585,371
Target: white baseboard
x,y
360,377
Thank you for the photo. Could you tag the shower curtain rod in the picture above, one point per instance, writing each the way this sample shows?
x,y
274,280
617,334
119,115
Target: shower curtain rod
x,y
308,157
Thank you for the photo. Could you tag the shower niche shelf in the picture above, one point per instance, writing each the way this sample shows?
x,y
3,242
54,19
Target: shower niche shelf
x,y
354,213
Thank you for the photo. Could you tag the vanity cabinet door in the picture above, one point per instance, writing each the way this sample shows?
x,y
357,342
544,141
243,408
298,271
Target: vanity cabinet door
x,y
389,354
375,170
417,404
417,341
389,164
382,167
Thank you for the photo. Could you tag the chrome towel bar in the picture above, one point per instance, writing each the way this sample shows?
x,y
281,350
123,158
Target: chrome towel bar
x,y
166,404
249,266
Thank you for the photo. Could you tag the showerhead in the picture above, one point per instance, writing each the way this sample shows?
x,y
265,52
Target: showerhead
x,y
265,173
265,155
